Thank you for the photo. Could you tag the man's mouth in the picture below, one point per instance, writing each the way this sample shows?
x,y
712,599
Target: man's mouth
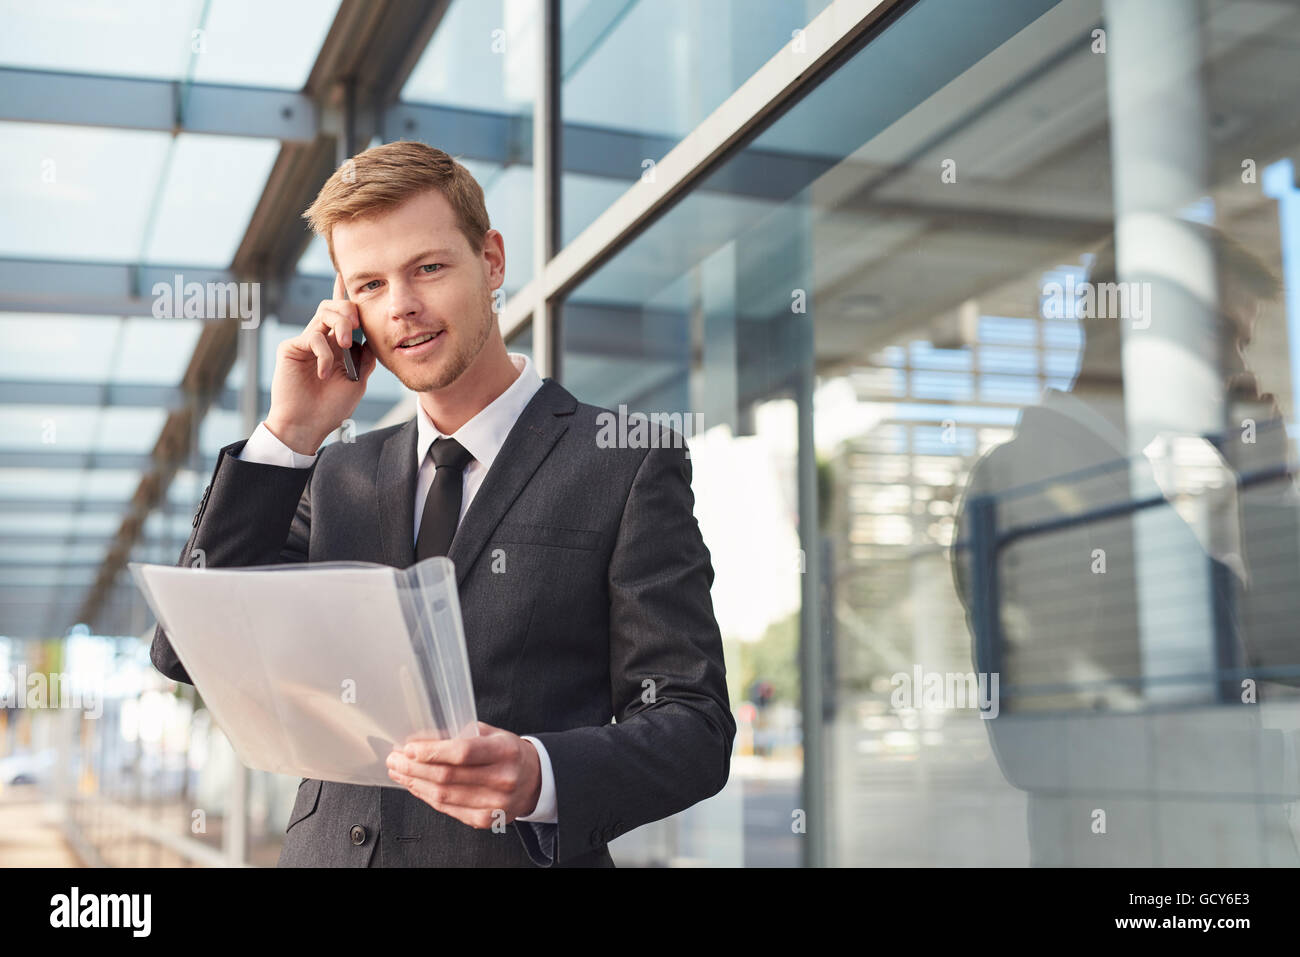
x,y
417,340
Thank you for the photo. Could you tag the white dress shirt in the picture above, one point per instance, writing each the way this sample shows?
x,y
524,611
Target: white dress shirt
x,y
482,436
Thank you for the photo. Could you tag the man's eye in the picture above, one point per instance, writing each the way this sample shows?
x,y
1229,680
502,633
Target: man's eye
x,y
430,267
369,284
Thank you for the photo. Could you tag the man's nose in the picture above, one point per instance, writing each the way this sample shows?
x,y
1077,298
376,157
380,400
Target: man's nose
x,y
402,300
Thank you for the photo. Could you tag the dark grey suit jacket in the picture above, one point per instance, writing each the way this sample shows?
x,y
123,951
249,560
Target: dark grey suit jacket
x,y
605,585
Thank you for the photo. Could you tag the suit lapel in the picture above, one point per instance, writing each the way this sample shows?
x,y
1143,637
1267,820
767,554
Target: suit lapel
x,y
395,486
532,437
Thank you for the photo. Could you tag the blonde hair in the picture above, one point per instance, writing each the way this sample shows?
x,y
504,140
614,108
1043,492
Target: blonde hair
x,y
383,177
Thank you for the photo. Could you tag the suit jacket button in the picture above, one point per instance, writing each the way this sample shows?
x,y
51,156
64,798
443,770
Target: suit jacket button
x,y
358,834
594,837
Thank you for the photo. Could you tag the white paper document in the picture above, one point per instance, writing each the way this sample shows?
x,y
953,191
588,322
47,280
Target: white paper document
x,y
318,670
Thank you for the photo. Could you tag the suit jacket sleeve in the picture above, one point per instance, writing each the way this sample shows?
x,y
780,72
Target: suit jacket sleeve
x,y
250,514
671,744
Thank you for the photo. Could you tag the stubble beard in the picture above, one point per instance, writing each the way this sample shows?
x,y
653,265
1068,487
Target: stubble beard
x,y
453,366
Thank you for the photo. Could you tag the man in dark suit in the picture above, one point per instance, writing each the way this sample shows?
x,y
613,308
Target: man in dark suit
x,y
584,580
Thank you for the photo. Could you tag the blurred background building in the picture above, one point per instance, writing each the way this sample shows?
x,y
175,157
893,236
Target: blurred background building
x,y
839,231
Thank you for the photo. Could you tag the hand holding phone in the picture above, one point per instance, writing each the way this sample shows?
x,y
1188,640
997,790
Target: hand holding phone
x,y
308,398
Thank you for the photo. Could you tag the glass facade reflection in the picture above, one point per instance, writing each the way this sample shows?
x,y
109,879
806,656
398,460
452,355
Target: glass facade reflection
x,y
636,77
995,370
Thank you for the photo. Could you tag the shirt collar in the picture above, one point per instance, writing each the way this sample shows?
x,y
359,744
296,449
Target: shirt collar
x,y
484,434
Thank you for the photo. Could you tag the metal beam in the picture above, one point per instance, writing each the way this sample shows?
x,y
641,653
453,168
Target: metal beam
x,y
7,564
120,289
116,289
483,135
80,99
64,505
546,185
127,395
60,459
76,540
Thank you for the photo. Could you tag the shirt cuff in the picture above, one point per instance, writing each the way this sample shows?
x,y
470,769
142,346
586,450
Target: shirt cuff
x,y
263,448
545,812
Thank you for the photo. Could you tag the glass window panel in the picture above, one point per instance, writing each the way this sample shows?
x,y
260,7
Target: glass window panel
x,y
72,192
251,43
213,180
50,428
71,428
46,553
1093,429
1061,364
54,347
36,523
637,77
926,356
148,38
102,484
235,377
127,429
1008,330
482,57
998,359
1007,388
584,197
58,577
1062,335
38,483
509,199
522,342
156,351
315,260
221,427
241,43
174,527
941,385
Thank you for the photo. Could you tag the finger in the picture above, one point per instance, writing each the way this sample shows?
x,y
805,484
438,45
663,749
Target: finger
x,y
336,308
499,775
445,798
478,818
339,320
494,777
481,750
325,357
339,291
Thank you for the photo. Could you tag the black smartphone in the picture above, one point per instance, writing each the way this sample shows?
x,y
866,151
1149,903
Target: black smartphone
x,y
352,356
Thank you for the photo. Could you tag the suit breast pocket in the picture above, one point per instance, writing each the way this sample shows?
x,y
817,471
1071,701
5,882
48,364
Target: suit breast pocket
x,y
525,533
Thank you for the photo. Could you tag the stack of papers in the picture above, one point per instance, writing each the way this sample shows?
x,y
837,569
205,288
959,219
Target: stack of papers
x,y
319,670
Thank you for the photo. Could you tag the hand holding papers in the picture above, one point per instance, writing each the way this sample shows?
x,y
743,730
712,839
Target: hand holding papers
x,y
319,670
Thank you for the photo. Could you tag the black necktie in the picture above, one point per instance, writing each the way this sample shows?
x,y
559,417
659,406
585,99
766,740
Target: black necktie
x,y
442,508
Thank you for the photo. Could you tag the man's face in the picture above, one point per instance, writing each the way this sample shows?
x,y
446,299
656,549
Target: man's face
x,y
411,272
